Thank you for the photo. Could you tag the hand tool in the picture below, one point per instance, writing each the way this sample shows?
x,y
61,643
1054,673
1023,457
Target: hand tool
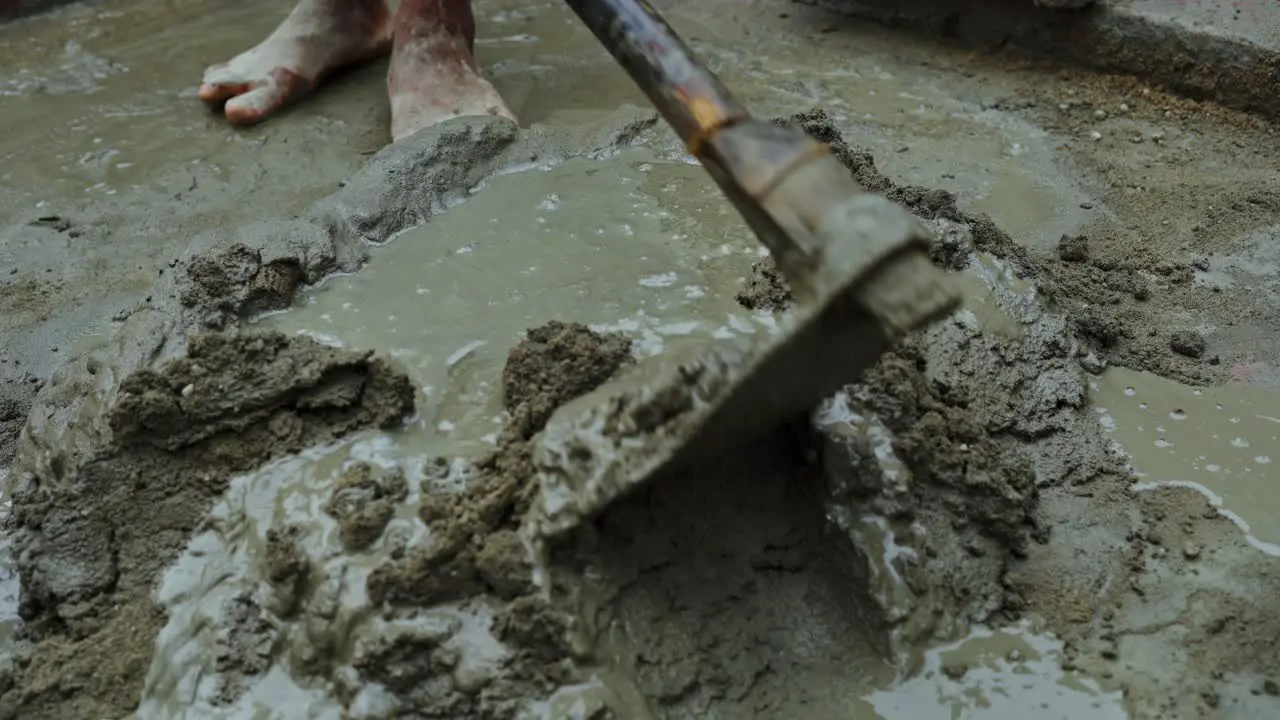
x,y
856,263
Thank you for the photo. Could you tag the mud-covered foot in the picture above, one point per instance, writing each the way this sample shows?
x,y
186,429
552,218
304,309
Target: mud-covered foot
x,y
433,75
317,38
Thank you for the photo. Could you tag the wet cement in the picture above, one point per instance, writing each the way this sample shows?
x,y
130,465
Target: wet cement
x,y
966,482
95,537
109,168
846,585
993,674
1223,441
634,242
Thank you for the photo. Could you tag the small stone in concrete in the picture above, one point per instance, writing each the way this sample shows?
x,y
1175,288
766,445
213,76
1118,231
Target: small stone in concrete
x,y
1073,248
1188,342
1092,364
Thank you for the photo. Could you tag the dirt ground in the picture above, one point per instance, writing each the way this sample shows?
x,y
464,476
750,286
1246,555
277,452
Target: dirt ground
x,y
243,485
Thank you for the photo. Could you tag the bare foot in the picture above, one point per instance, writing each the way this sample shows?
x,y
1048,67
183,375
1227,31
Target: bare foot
x,y
317,38
433,75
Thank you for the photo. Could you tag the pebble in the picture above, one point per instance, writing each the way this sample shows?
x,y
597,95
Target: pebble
x,y
1092,364
1095,135
1190,550
1188,342
1073,248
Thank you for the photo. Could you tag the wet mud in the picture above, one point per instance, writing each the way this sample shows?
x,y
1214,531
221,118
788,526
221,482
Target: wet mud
x,y
476,551
136,443
308,475
93,539
1075,476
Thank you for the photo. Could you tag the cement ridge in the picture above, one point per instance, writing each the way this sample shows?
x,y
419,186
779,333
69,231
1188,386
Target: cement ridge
x,y
18,9
1203,49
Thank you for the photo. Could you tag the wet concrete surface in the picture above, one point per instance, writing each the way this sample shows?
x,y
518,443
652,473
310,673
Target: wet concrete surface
x,y
1235,41
1221,441
97,202
979,476
656,253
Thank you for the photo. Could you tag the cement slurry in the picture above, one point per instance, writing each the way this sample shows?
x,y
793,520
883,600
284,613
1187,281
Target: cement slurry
x,y
1223,441
647,249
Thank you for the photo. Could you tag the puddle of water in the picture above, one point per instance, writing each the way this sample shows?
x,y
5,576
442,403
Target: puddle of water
x,y
630,243
997,675
1223,441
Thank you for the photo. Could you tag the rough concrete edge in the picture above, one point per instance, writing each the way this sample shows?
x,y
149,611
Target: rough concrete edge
x,y
22,9
1202,63
419,177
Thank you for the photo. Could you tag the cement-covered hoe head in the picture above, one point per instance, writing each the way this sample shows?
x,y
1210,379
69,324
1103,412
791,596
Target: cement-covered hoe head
x,y
669,414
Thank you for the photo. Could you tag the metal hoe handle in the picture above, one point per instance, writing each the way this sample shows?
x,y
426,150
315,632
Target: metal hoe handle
x,y
688,96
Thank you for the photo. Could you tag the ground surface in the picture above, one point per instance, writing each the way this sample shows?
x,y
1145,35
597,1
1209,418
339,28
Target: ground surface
x,y
1129,266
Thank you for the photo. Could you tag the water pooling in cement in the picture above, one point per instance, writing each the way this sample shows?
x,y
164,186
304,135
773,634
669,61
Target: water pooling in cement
x,y
1013,672
632,243
1223,441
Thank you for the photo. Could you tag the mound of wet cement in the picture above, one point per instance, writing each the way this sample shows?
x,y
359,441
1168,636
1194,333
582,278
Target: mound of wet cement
x,y
474,548
93,541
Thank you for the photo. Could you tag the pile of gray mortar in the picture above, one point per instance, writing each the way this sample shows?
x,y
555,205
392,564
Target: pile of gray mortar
x,y
964,482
